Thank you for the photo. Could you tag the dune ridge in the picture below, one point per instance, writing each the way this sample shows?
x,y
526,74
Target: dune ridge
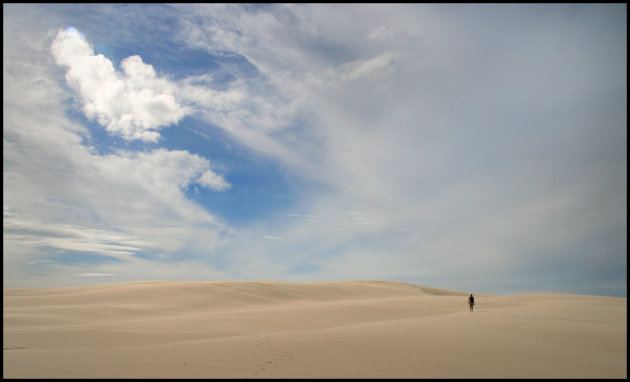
x,y
269,329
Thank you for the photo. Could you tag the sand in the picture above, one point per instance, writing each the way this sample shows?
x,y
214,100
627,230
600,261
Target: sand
x,y
348,329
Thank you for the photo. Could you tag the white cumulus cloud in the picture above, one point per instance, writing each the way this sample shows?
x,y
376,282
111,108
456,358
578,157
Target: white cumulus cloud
x,y
133,104
213,181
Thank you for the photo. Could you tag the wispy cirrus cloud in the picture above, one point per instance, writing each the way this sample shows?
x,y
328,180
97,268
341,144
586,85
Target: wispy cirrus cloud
x,y
95,274
464,132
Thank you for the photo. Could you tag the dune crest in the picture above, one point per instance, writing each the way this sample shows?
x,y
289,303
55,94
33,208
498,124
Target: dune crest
x,y
221,293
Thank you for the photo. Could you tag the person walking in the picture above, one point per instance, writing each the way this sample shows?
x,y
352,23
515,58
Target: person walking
x,y
471,302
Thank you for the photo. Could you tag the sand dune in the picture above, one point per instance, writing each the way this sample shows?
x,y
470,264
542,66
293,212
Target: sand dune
x,y
349,329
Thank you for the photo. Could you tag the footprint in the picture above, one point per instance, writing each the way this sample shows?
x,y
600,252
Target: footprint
x,y
286,356
263,343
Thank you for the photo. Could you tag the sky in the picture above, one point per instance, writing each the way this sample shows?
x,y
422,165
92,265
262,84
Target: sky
x,y
473,147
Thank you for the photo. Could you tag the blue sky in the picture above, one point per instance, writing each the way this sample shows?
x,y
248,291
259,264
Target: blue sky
x,y
480,148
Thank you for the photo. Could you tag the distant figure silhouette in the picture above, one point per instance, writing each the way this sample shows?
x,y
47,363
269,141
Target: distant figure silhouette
x,y
471,302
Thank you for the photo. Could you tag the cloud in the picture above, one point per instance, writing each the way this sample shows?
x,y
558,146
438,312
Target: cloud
x,y
478,130
374,67
67,203
379,33
213,181
69,237
95,274
163,173
133,104
254,113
